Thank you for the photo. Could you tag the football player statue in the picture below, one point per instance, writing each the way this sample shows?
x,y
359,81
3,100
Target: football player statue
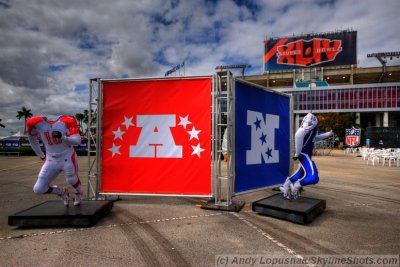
x,y
307,172
58,136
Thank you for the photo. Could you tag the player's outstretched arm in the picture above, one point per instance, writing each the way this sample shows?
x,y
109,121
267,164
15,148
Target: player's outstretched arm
x,y
36,146
74,139
323,136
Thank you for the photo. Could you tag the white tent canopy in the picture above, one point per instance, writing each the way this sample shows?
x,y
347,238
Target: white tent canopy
x,y
15,136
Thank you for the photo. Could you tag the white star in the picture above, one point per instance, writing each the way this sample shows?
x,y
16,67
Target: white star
x,y
184,121
114,150
193,133
128,122
197,150
118,134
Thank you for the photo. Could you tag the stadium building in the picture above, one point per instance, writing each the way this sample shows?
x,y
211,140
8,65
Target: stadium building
x,y
320,72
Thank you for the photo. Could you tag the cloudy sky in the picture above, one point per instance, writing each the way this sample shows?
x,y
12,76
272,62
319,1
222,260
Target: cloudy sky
x,y
49,49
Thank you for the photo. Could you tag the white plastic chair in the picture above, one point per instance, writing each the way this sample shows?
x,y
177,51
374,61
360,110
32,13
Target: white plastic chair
x,y
385,157
373,157
392,159
397,156
364,152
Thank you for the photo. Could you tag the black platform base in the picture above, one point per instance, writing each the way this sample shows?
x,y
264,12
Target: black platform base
x,y
302,210
236,206
55,214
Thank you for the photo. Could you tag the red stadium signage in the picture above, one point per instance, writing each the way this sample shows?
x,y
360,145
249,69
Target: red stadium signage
x,y
156,136
308,53
326,49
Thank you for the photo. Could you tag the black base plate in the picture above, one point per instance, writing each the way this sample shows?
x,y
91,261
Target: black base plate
x,y
302,210
236,206
55,214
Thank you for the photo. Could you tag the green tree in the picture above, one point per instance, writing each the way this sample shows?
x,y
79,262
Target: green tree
x,y
24,113
2,125
338,122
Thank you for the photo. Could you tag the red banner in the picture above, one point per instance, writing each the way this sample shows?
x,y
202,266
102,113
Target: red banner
x,y
156,136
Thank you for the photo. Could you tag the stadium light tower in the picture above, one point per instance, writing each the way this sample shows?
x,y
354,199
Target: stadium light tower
x,y
382,57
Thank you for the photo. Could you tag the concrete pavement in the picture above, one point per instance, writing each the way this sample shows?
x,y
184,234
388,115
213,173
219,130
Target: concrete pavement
x,y
362,218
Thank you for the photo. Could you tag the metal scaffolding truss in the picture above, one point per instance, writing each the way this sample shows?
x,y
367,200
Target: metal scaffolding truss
x,y
94,138
223,178
223,94
222,119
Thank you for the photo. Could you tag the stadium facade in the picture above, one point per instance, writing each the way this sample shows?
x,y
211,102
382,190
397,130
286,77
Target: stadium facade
x,y
371,93
320,72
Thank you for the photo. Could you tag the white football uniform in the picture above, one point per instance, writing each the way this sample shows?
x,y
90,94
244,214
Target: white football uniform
x,y
60,154
307,173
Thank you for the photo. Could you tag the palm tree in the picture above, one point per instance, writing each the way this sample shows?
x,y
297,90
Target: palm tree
x,y
2,125
26,113
80,117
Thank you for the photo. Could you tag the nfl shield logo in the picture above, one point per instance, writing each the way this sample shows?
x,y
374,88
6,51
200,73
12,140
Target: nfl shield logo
x,y
353,137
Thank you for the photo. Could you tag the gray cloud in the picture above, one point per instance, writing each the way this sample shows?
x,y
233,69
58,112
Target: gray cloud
x,y
50,49
125,59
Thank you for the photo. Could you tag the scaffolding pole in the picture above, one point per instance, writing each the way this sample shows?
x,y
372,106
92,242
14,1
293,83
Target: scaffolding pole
x,y
223,177
93,135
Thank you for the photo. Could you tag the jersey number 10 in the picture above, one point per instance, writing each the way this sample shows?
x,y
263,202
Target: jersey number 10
x,y
52,140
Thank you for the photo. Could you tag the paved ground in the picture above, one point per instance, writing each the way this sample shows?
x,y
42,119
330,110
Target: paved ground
x,y
362,218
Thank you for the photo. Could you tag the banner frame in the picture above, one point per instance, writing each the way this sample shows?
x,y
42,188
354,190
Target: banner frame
x,y
98,172
93,156
95,168
291,133
222,199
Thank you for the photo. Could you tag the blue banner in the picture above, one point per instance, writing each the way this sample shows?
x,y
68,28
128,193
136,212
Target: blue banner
x,y
83,146
262,137
11,144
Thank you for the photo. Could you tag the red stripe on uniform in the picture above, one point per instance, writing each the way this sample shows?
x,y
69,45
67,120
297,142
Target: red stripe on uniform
x,y
77,184
74,161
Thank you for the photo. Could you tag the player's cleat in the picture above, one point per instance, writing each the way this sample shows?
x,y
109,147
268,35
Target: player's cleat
x,y
295,191
78,199
285,192
65,196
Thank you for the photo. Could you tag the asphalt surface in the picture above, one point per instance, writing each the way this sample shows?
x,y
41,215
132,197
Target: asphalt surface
x,y
362,218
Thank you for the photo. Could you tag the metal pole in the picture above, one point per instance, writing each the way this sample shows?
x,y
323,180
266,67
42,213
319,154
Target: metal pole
x,y
98,135
89,141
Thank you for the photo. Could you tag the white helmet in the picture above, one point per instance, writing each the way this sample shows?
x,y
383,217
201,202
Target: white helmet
x,y
309,122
